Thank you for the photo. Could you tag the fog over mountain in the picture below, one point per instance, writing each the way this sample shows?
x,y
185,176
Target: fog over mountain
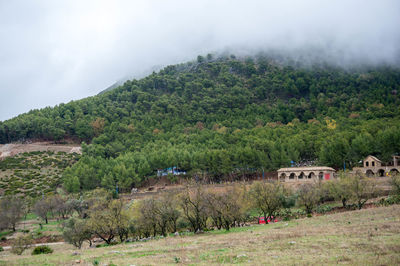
x,y
56,51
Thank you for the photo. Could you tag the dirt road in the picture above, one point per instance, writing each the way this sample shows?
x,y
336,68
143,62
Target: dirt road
x,y
12,149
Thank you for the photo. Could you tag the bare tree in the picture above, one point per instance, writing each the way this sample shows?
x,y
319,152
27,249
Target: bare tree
x,y
168,211
42,208
193,203
61,206
11,209
148,220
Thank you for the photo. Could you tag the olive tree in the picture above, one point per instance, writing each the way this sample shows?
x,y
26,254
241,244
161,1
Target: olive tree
x,y
76,231
267,197
309,196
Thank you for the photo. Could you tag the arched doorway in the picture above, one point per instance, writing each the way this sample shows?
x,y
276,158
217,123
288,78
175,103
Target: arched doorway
x,y
394,172
321,175
381,173
369,173
292,176
282,177
311,175
301,176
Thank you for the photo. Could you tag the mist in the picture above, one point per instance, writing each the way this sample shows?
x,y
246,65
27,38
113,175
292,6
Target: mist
x,y
58,51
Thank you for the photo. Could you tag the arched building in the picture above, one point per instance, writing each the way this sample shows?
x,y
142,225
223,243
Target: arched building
x,y
304,174
372,166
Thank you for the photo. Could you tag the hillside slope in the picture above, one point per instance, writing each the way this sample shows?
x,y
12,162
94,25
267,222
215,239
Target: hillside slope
x,y
352,238
223,118
34,173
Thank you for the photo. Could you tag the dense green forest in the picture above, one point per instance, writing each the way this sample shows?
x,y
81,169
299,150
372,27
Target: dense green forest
x,y
220,118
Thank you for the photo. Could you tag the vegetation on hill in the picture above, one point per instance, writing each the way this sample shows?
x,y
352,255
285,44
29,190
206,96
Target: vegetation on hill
x,y
351,238
34,173
221,119
202,211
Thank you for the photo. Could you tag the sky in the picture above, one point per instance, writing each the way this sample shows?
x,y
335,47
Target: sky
x,y
58,51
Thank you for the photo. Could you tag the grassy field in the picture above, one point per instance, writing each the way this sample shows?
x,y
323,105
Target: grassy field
x,y
365,237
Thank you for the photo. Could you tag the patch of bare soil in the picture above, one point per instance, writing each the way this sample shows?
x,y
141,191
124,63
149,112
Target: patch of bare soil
x,y
11,149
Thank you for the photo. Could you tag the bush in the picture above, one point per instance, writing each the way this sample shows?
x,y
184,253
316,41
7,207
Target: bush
x,y
21,243
323,209
390,200
288,214
42,250
1,249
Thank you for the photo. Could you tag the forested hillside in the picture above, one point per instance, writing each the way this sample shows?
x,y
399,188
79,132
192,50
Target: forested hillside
x,y
222,118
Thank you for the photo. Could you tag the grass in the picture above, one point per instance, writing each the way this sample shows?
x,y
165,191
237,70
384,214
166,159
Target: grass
x,y
362,237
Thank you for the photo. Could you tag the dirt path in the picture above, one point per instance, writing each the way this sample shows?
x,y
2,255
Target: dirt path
x,y
12,149
40,244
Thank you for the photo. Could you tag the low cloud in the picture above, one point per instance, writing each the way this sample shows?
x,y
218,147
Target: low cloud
x,y
56,51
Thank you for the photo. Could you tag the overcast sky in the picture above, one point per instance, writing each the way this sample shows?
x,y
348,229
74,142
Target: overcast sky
x,y
55,51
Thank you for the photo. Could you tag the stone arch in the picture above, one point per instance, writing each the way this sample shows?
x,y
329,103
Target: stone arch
x,y
380,173
301,175
321,175
282,177
394,171
311,175
369,173
292,176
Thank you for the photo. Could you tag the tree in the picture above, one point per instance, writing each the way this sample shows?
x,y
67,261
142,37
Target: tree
x,y
308,196
194,207
361,189
167,212
225,208
106,223
42,209
76,232
11,209
61,206
340,189
267,197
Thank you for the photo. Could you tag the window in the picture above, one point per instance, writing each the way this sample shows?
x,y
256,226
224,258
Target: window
x,y
373,163
366,164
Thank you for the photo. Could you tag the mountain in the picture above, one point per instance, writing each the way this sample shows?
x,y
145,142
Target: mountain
x,y
223,118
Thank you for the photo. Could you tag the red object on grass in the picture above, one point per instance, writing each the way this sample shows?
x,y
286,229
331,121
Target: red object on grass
x,y
261,220
268,221
276,220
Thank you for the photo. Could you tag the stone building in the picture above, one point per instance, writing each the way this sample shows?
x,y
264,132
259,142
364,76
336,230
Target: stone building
x,y
307,173
372,166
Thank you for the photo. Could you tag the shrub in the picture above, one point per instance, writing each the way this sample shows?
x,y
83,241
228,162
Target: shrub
x,y
42,250
395,182
395,199
1,249
21,243
323,209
